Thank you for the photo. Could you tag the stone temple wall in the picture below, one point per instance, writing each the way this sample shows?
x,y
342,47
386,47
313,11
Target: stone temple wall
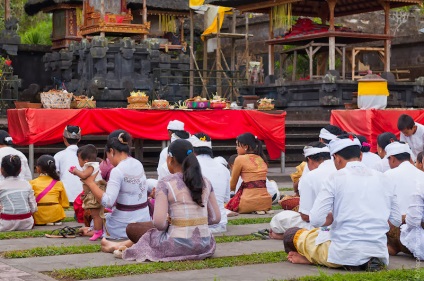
x,y
109,71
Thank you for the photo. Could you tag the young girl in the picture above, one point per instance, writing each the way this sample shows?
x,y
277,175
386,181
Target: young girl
x,y
49,192
87,158
251,165
17,201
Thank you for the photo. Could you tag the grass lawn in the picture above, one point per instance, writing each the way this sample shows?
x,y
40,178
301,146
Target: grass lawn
x,y
242,221
85,249
154,267
387,275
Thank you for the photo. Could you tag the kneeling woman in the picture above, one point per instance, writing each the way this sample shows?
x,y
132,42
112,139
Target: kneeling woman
x,y
184,206
252,167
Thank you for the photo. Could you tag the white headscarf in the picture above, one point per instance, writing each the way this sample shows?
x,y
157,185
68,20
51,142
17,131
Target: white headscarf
x,y
338,144
396,148
325,134
308,150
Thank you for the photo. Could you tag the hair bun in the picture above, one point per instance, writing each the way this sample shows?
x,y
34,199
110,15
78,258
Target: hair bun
x,y
122,138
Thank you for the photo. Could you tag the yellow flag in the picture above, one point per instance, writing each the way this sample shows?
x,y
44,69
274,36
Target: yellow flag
x,y
213,28
196,3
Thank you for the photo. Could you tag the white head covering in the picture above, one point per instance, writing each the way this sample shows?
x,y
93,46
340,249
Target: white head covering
x,y
325,134
151,183
196,142
396,147
309,150
338,144
175,125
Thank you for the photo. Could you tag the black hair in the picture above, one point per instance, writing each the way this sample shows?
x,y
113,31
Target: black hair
x,y
88,153
350,152
333,130
119,140
232,159
405,122
363,139
385,139
420,157
181,134
402,156
73,129
5,138
203,150
182,152
48,166
253,143
322,156
11,165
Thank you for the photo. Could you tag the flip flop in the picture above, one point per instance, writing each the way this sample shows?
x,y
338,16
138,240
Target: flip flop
x,y
264,232
65,232
263,237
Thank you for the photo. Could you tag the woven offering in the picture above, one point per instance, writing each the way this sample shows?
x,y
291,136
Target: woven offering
x,y
56,99
83,102
138,100
265,104
160,104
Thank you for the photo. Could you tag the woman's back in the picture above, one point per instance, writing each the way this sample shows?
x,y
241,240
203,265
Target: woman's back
x,y
16,196
186,215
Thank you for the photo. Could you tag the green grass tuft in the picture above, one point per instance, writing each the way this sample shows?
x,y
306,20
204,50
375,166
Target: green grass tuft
x,y
84,249
242,221
23,234
386,275
69,219
154,267
286,189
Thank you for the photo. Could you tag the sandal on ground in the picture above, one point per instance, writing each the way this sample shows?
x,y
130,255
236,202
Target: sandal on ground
x,y
264,232
259,212
270,212
65,232
259,235
54,223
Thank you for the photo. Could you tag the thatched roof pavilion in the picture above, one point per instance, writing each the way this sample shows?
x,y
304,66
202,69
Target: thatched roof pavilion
x,y
328,9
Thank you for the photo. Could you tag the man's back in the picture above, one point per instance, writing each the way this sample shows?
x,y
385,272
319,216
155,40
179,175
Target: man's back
x,y
362,202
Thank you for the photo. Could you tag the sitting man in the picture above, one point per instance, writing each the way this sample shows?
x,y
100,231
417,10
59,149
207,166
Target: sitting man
x,y
317,157
412,133
404,176
359,203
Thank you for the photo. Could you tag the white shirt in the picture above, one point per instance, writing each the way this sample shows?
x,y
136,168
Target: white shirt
x,y
383,165
362,201
65,159
311,185
25,170
16,196
370,159
96,169
127,185
404,178
219,176
416,141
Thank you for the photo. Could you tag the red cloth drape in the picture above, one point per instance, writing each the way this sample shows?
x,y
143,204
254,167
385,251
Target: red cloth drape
x,y
45,126
371,123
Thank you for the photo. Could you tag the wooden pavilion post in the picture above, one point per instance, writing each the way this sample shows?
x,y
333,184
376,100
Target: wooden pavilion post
x,y
387,42
192,58
233,41
271,47
218,58
6,9
144,16
205,59
102,14
332,39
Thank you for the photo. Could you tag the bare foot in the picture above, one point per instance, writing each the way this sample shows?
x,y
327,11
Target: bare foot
x,y
109,246
273,235
86,231
297,258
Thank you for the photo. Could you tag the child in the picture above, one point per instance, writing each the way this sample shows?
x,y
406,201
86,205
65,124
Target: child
x,y
17,201
412,133
49,192
419,162
87,158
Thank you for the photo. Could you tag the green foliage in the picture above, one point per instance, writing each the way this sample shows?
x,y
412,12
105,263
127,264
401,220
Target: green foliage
x,y
389,275
39,34
23,234
154,267
248,221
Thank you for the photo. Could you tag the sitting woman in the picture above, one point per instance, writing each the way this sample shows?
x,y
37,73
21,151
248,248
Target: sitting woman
x,y
17,201
126,191
368,158
49,193
185,205
251,165
383,140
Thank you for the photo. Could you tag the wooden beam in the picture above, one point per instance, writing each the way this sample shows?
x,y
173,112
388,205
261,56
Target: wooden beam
x,y
294,66
6,9
218,58
264,4
271,48
205,59
192,58
387,42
